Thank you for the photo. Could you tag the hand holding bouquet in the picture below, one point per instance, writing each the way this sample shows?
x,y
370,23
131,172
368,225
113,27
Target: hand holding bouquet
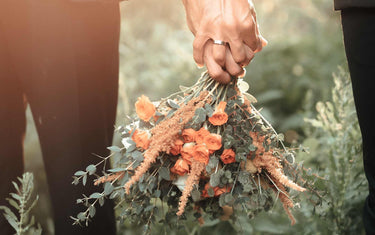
x,y
205,150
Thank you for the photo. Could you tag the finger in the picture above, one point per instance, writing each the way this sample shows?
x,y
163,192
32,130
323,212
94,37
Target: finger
x,y
214,69
231,66
263,42
239,53
251,34
219,54
198,49
249,53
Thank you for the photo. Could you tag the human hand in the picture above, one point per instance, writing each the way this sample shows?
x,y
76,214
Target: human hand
x,y
222,73
233,22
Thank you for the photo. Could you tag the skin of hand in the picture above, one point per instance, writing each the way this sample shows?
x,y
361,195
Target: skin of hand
x,y
232,21
220,73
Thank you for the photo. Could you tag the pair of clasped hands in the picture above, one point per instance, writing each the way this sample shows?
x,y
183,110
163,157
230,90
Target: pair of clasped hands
x,y
226,36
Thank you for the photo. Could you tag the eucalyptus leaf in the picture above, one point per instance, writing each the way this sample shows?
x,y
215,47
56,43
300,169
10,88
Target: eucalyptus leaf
x,y
108,188
164,173
96,195
92,211
115,149
91,169
172,104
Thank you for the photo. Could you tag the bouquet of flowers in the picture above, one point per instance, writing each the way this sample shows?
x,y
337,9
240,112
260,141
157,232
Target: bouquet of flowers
x,y
202,151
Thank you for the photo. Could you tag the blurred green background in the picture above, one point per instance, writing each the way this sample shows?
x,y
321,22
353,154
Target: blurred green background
x,y
288,78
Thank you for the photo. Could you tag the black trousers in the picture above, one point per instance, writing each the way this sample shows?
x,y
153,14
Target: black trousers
x,y
359,37
61,58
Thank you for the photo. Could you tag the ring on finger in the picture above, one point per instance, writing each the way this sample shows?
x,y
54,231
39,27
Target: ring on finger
x,y
219,42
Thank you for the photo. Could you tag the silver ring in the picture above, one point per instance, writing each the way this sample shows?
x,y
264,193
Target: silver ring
x,y
219,42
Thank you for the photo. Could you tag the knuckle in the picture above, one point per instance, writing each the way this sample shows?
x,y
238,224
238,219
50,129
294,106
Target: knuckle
x,y
219,58
215,74
240,58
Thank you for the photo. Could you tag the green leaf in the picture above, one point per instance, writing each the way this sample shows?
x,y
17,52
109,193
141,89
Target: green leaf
x,y
199,116
209,110
164,173
157,193
96,195
149,208
79,173
16,187
81,216
16,196
91,169
215,179
172,104
137,155
210,192
114,170
11,221
92,211
9,213
13,203
101,201
108,188
115,149
195,195
84,180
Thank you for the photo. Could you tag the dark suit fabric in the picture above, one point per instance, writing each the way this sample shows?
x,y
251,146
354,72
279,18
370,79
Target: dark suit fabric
x,y
359,37
342,4
61,58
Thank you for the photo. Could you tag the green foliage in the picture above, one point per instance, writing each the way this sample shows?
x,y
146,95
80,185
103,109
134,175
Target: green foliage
x,y
337,150
23,223
335,153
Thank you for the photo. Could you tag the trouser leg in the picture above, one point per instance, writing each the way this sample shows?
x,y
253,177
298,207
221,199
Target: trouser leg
x,y
69,70
359,37
12,129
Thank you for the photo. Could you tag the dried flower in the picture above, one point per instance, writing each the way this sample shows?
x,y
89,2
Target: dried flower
x,y
217,190
200,135
141,139
213,141
228,156
201,153
188,135
176,148
144,108
187,152
219,117
181,167
193,178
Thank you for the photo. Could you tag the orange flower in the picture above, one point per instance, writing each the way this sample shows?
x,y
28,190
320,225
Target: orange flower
x,y
228,156
219,117
176,148
217,191
200,135
187,152
141,139
201,153
144,108
181,167
188,135
213,141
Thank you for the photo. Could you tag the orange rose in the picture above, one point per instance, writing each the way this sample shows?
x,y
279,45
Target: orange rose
x,y
201,153
181,167
200,135
213,142
228,156
217,191
141,139
219,117
176,148
188,135
187,152
144,108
